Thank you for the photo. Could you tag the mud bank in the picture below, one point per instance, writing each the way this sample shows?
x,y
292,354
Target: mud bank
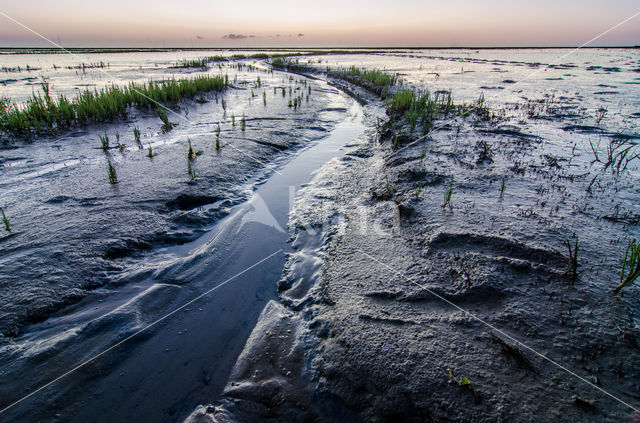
x,y
74,232
166,329
399,306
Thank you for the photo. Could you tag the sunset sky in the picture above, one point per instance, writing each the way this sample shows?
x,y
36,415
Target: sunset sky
x,y
199,23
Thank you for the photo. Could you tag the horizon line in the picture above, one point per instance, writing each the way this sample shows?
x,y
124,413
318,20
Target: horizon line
x,y
294,48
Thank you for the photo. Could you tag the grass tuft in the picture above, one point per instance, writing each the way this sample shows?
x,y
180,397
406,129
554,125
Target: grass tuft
x,y
192,173
7,226
162,114
111,172
104,141
630,266
573,261
136,136
463,381
447,196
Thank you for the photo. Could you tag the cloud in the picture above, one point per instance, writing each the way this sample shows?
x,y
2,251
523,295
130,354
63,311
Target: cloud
x,y
300,34
237,36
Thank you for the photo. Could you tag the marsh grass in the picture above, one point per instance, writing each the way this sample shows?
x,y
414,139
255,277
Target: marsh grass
x,y
486,152
121,146
447,196
192,173
374,80
420,107
104,141
464,382
136,136
601,113
5,221
162,114
111,172
553,162
193,63
620,153
84,66
190,153
199,63
44,114
630,266
572,273
418,190
150,153
243,123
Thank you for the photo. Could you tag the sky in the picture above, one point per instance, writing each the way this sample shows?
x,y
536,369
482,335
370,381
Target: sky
x,y
327,23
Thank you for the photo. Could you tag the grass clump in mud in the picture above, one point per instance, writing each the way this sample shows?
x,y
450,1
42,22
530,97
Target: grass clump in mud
x,y
136,136
194,63
111,172
162,114
463,382
104,142
630,266
374,80
44,114
199,63
192,173
191,153
418,190
5,221
218,147
420,107
447,196
572,273
620,153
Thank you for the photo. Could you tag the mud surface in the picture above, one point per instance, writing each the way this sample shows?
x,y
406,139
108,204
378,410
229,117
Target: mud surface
x,y
98,265
390,289
384,293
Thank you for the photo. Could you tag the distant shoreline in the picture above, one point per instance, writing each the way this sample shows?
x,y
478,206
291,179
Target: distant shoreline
x,y
96,50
